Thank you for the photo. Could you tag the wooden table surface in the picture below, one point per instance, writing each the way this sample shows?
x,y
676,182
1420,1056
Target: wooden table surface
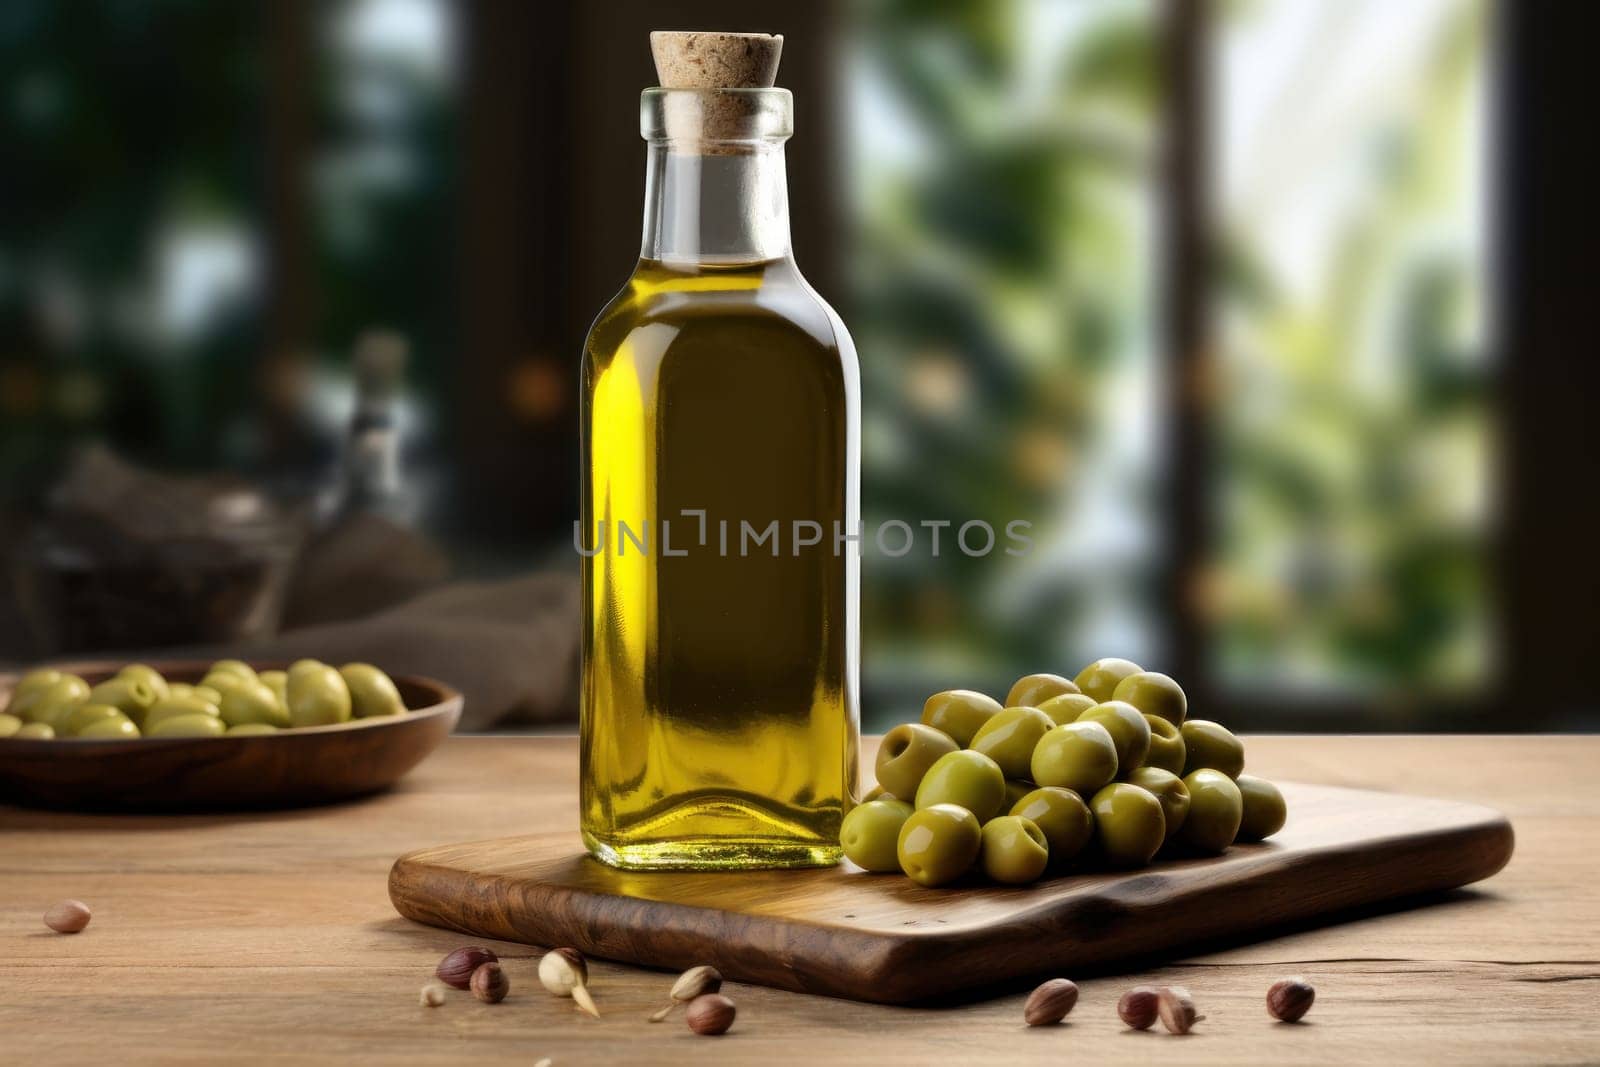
x,y
271,936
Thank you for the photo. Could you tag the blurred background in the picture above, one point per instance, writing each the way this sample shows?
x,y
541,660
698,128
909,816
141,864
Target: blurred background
x,y
1263,312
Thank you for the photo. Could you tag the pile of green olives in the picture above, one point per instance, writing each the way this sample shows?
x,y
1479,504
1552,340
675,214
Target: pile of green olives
x,y
1106,767
231,699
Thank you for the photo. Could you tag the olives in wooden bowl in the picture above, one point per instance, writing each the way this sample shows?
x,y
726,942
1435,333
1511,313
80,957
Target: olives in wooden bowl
x,y
203,736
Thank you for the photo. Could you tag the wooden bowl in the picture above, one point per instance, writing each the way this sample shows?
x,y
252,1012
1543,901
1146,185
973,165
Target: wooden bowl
x,y
311,765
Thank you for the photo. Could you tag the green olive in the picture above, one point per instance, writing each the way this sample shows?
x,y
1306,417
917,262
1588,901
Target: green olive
x,y
252,702
372,693
1080,756
1008,739
117,728
1167,788
84,714
1101,678
1206,744
37,678
959,713
317,695
1128,729
1129,824
207,693
1066,707
177,707
1031,690
870,834
1264,809
1154,694
55,715
31,704
877,792
1016,789
35,731
21,699
938,844
1216,808
148,675
1014,850
252,729
906,754
1063,818
278,682
188,726
234,666
9,725
1166,745
220,682
130,695
966,779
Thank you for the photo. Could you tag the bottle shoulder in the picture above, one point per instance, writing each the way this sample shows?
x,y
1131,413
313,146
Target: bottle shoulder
x,y
768,298
840,332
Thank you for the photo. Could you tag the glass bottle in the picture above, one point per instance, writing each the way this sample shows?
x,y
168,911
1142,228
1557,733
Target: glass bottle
x,y
370,481
720,529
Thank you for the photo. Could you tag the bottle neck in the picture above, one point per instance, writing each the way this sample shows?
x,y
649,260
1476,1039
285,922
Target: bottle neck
x,y
731,206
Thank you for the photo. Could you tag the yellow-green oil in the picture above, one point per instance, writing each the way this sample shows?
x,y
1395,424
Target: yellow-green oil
x,y
718,718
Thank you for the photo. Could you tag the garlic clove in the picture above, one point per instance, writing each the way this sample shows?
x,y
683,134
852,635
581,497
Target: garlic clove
x,y
489,983
456,968
710,1014
1138,1007
695,982
67,917
560,973
1290,998
1176,1008
565,973
1050,1003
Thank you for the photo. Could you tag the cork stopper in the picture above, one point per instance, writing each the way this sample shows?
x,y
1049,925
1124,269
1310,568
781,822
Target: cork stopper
x,y
698,59
706,109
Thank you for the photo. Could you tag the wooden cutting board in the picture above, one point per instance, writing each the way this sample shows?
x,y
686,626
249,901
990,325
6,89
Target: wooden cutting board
x,y
883,938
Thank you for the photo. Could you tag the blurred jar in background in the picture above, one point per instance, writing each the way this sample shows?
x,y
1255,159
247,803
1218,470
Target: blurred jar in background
x,y
125,558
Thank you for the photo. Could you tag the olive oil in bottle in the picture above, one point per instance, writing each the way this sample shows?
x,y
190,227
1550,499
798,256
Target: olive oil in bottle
x,y
720,429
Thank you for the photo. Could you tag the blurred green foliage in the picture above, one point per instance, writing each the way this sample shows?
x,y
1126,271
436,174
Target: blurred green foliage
x,y
1000,287
1353,477
1003,308
119,120
168,164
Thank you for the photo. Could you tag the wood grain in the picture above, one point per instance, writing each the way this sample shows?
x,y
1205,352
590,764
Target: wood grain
x,y
883,938
292,768
270,936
